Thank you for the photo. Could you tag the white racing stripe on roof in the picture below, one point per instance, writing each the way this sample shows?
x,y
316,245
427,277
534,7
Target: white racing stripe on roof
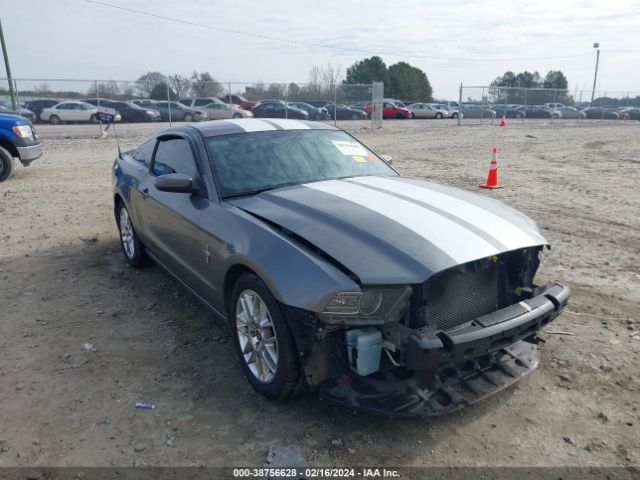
x,y
252,124
495,226
289,124
452,238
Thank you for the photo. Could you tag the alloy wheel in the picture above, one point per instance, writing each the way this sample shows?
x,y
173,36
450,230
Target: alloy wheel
x,y
257,336
127,234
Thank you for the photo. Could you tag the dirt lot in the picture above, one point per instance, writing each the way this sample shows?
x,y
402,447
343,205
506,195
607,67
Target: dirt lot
x,y
64,282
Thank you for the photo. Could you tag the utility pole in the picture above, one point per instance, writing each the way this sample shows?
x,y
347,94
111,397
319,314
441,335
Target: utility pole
x,y
6,65
595,76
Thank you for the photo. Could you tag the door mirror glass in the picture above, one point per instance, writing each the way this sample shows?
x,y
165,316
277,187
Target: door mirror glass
x,y
174,182
387,158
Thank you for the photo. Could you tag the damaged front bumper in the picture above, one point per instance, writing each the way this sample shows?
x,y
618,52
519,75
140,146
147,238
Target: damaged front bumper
x,y
445,371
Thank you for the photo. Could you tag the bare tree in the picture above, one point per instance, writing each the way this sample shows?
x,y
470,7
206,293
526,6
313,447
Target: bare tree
x,y
147,82
204,85
331,75
179,84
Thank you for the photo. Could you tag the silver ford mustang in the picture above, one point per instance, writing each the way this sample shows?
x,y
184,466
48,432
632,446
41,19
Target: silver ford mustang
x,y
386,294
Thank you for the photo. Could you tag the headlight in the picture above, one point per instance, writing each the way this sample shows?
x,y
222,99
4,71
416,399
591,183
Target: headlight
x,y
23,131
371,306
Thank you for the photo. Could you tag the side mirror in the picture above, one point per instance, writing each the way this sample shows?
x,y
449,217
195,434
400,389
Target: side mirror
x,y
175,182
387,158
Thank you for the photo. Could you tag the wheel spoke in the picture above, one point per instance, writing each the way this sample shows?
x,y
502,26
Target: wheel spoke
x,y
256,336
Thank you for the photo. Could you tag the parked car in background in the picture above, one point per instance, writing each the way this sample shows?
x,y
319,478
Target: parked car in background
x,y
217,110
554,106
18,139
509,112
96,101
36,106
6,108
570,112
315,113
200,101
536,111
69,112
130,112
424,110
390,110
179,112
601,113
477,111
451,111
239,100
342,112
359,105
632,113
144,102
278,109
396,102
319,103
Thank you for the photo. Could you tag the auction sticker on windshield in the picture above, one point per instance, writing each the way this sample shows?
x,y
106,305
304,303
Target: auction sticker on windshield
x,y
350,148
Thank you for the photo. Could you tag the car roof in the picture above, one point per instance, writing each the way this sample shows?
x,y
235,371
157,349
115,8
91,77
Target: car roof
x,y
214,128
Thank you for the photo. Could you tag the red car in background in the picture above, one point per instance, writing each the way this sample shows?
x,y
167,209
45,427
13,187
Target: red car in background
x,y
239,100
389,110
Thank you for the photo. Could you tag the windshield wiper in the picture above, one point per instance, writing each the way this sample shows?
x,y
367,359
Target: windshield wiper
x,y
249,192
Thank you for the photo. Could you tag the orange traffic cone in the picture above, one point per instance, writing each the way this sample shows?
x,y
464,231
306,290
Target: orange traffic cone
x,y
492,178
503,122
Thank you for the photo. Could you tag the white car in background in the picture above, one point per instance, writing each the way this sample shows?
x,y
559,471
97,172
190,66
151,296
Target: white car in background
x,y
424,110
71,112
218,110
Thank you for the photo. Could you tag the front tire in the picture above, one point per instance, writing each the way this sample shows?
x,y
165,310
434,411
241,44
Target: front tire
x,y
132,248
54,120
237,115
188,117
439,116
93,119
6,164
263,342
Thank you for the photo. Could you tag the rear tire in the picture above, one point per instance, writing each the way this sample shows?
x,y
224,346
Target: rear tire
x,y
6,164
261,335
132,248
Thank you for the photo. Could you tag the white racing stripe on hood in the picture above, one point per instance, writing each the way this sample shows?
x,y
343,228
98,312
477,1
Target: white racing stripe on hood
x,y
289,124
252,124
505,232
452,238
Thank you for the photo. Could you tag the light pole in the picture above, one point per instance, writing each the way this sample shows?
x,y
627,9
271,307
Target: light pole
x,y
595,76
14,103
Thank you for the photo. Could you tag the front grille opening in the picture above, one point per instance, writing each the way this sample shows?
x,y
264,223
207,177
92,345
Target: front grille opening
x,y
455,297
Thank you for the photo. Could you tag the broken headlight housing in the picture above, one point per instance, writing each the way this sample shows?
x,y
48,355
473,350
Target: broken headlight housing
x,y
371,306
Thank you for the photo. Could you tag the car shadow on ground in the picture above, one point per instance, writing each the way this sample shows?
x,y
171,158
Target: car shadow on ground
x,y
151,341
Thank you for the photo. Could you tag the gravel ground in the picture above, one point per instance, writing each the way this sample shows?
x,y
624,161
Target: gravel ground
x,y
64,283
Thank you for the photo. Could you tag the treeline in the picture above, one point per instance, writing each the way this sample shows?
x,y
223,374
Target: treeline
x,y
510,88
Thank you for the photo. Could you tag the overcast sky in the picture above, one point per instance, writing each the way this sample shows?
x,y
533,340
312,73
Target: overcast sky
x,y
471,41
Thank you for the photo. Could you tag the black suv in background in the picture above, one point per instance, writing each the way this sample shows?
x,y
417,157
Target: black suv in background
x,y
36,106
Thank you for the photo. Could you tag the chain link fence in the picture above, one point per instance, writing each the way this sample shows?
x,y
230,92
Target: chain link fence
x,y
191,100
489,104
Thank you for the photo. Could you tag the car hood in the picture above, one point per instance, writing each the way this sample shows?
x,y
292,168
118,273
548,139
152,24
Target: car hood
x,y
390,229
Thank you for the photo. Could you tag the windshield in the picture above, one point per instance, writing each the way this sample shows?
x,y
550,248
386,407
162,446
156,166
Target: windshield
x,y
251,162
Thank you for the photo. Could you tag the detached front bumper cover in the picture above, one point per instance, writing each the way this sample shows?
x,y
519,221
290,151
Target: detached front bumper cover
x,y
456,368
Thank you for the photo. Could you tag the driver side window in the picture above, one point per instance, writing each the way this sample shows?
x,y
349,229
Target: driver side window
x,y
174,156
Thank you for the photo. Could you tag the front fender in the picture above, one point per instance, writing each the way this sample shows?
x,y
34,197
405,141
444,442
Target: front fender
x,y
296,275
